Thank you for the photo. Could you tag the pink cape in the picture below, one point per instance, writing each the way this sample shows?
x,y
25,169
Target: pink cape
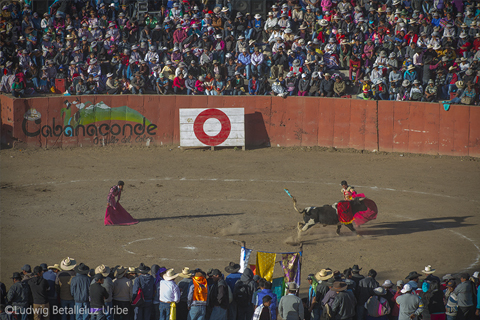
x,y
362,217
118,216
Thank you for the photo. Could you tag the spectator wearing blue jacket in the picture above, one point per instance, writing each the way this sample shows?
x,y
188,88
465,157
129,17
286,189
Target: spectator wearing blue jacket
x,y
145,282
245,60
266,290
410,74
80,290
292,56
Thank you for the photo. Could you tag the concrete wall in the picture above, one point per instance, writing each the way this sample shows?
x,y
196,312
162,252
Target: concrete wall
x,y
301,121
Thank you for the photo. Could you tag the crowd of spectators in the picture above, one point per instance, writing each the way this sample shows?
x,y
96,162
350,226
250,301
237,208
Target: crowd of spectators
x,y
419,50
144,293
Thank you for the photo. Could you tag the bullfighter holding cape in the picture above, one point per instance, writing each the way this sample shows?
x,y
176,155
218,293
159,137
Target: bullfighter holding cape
x,y
351,212
115,214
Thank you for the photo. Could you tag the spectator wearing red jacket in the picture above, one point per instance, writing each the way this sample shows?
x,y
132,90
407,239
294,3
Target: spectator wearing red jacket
x,y
179,84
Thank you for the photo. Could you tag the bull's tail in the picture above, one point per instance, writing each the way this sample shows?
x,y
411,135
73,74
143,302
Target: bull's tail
x,y
295,206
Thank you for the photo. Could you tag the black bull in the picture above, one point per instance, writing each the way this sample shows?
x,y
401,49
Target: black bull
x,y
327,216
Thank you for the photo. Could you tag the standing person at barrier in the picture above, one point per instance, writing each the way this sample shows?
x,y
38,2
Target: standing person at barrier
x,y
411,305
364,291
243,293
18,296
218,296
122,293
197,297
290,306
169,293
184,284
146,283
38,288
343,306
266,290
231,280
464,292
115,214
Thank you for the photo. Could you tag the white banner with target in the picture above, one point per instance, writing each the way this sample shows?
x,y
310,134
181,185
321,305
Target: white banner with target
x,y
224,127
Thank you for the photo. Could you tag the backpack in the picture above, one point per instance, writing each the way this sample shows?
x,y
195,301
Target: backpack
x,y
376,309
242,294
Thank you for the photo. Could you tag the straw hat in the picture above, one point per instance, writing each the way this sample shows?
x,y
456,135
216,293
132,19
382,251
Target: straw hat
x,y
55,266
68,264
186,273
323,274
460,84
170,275
428,270
103,269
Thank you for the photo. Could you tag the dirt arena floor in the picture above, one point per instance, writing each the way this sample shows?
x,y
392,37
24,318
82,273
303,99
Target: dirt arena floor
x,y
192,204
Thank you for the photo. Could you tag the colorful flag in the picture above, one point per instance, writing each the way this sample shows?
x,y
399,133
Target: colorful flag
x,y
244,257
291,267
278,287
253,267
265,264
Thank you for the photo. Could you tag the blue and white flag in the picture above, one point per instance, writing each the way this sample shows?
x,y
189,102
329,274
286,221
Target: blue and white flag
x,y
244,257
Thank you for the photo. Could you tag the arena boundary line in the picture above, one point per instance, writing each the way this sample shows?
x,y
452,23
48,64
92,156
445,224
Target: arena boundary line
x,y
186,248
249,180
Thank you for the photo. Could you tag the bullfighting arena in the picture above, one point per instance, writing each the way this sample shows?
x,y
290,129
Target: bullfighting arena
x,y
193,204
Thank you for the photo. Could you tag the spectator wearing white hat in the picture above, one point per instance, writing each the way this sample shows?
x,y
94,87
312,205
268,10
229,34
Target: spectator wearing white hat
x,y
169,293
416,91
411,305
270,23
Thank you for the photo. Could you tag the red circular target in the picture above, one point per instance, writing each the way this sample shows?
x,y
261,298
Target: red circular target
x,y
218,138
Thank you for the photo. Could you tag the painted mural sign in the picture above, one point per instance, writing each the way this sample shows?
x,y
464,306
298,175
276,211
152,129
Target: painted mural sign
x,y
88,120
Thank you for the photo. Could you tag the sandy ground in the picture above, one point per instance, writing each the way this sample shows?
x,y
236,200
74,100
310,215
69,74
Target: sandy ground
x,y
192,204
